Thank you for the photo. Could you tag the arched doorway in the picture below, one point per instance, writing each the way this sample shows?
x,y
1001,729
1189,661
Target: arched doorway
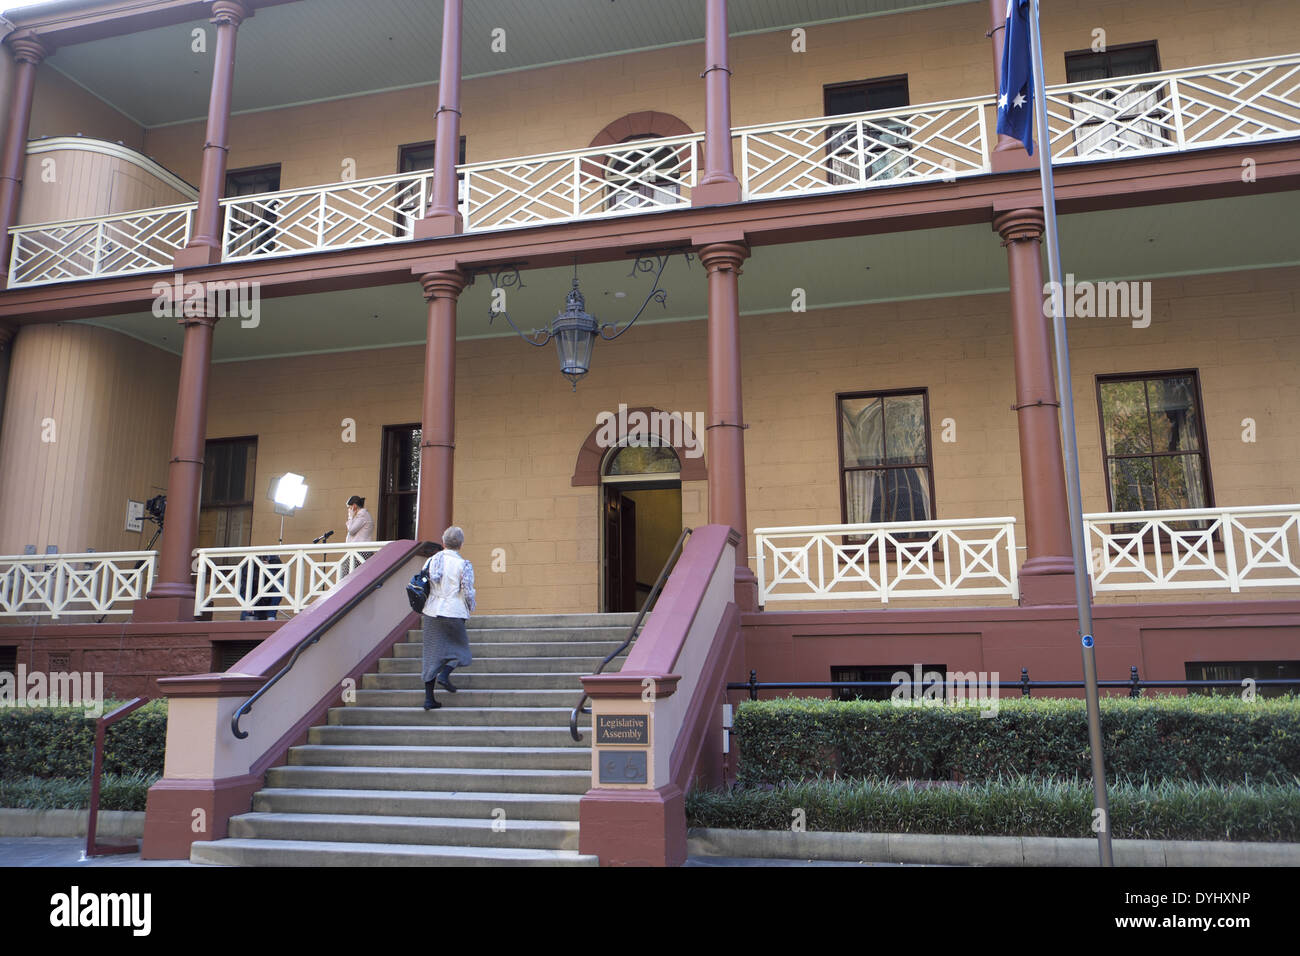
x,y
641,518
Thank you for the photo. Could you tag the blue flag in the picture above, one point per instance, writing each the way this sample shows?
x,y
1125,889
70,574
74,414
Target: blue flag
x,y
1016,95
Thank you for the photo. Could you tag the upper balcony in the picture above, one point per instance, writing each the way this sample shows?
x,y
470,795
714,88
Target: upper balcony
x,y
1172,111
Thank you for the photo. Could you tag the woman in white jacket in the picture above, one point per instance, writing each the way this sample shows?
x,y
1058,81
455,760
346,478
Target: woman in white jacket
x,y
451,600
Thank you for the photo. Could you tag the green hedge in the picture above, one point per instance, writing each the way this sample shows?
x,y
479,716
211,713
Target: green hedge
x,y
56,742
1014,807
116,792
1209,739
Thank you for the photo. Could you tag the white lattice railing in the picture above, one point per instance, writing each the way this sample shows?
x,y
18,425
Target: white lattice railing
x,y
250,579
363,212
66,585
941,141
591,183
96,248
965,557
1205,549
1250,101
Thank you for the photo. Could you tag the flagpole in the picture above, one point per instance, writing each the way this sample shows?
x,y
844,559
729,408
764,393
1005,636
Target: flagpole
x,y
1074,497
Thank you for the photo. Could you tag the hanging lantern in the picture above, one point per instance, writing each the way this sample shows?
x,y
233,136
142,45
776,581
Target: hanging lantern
x,y
574,329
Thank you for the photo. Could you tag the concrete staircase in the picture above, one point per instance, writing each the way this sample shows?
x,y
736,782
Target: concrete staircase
x,y
490,778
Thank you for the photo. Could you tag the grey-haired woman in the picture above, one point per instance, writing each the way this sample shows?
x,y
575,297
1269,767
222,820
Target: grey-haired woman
x,y
451,600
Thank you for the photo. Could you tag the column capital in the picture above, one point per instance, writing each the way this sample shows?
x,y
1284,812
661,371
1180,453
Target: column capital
x,y
1019,225
185,321
230,12
443,285
29,48
723,256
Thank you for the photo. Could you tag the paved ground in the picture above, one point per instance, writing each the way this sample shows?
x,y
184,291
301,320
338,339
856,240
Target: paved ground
x,y
66,851
60,851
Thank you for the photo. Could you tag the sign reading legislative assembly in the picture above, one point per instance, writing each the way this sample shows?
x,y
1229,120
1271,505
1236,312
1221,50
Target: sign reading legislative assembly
x,y
623,729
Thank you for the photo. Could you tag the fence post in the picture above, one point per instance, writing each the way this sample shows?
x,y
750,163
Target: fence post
x,y
753,685
1024,682
1135,689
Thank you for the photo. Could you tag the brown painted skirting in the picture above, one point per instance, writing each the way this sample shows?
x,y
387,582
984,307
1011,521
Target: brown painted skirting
x,y
696,755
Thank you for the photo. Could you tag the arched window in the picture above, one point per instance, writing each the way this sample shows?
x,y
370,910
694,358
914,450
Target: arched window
x,y
641,456
646,177
649,176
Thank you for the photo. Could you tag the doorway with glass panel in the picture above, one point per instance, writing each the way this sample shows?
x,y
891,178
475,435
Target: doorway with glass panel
x,y
641,519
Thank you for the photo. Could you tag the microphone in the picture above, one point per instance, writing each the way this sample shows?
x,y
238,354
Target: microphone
x,y
323,538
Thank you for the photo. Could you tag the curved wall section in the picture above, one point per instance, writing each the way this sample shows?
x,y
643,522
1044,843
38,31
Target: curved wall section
x,y
87,424
73,177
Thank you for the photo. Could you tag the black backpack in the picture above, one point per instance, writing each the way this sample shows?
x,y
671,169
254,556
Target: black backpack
x,y
417,589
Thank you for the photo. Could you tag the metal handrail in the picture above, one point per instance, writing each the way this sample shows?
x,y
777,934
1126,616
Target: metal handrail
x,y
96,771
650,599
1134,684
426,548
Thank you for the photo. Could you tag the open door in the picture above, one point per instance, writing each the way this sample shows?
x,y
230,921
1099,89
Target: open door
x,y
641,507
620,551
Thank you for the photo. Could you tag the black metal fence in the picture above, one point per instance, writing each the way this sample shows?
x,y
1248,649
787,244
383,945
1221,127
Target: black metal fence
x,y
1134,684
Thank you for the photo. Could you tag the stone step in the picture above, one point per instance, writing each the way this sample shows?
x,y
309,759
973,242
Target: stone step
x,y
534,635
456,716
420,803
426,778
436,831
245,852
542,664
470,698
440,736
467,679
479,621
502,758
478,649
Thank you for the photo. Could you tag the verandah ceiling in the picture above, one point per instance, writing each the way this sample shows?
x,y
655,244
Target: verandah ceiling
x,y
1136,243
318,49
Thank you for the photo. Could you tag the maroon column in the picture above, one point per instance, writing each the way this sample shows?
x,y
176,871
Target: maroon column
x,y
438,435
1046,577
726,428
28,52
204,246
1009,153
442,218
718,183
172,597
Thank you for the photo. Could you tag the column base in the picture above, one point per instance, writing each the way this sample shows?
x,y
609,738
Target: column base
x,y
181,812
633,827
192,257
436,227
1047,581
164,608
746,590
1010,156
715,194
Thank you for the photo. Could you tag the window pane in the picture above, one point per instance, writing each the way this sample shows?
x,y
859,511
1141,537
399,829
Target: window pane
x,y
1174,425
862,496
864,442
1124,419
905,438
1133,484
907,495
407,476
647,460
1180,482
1131,62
